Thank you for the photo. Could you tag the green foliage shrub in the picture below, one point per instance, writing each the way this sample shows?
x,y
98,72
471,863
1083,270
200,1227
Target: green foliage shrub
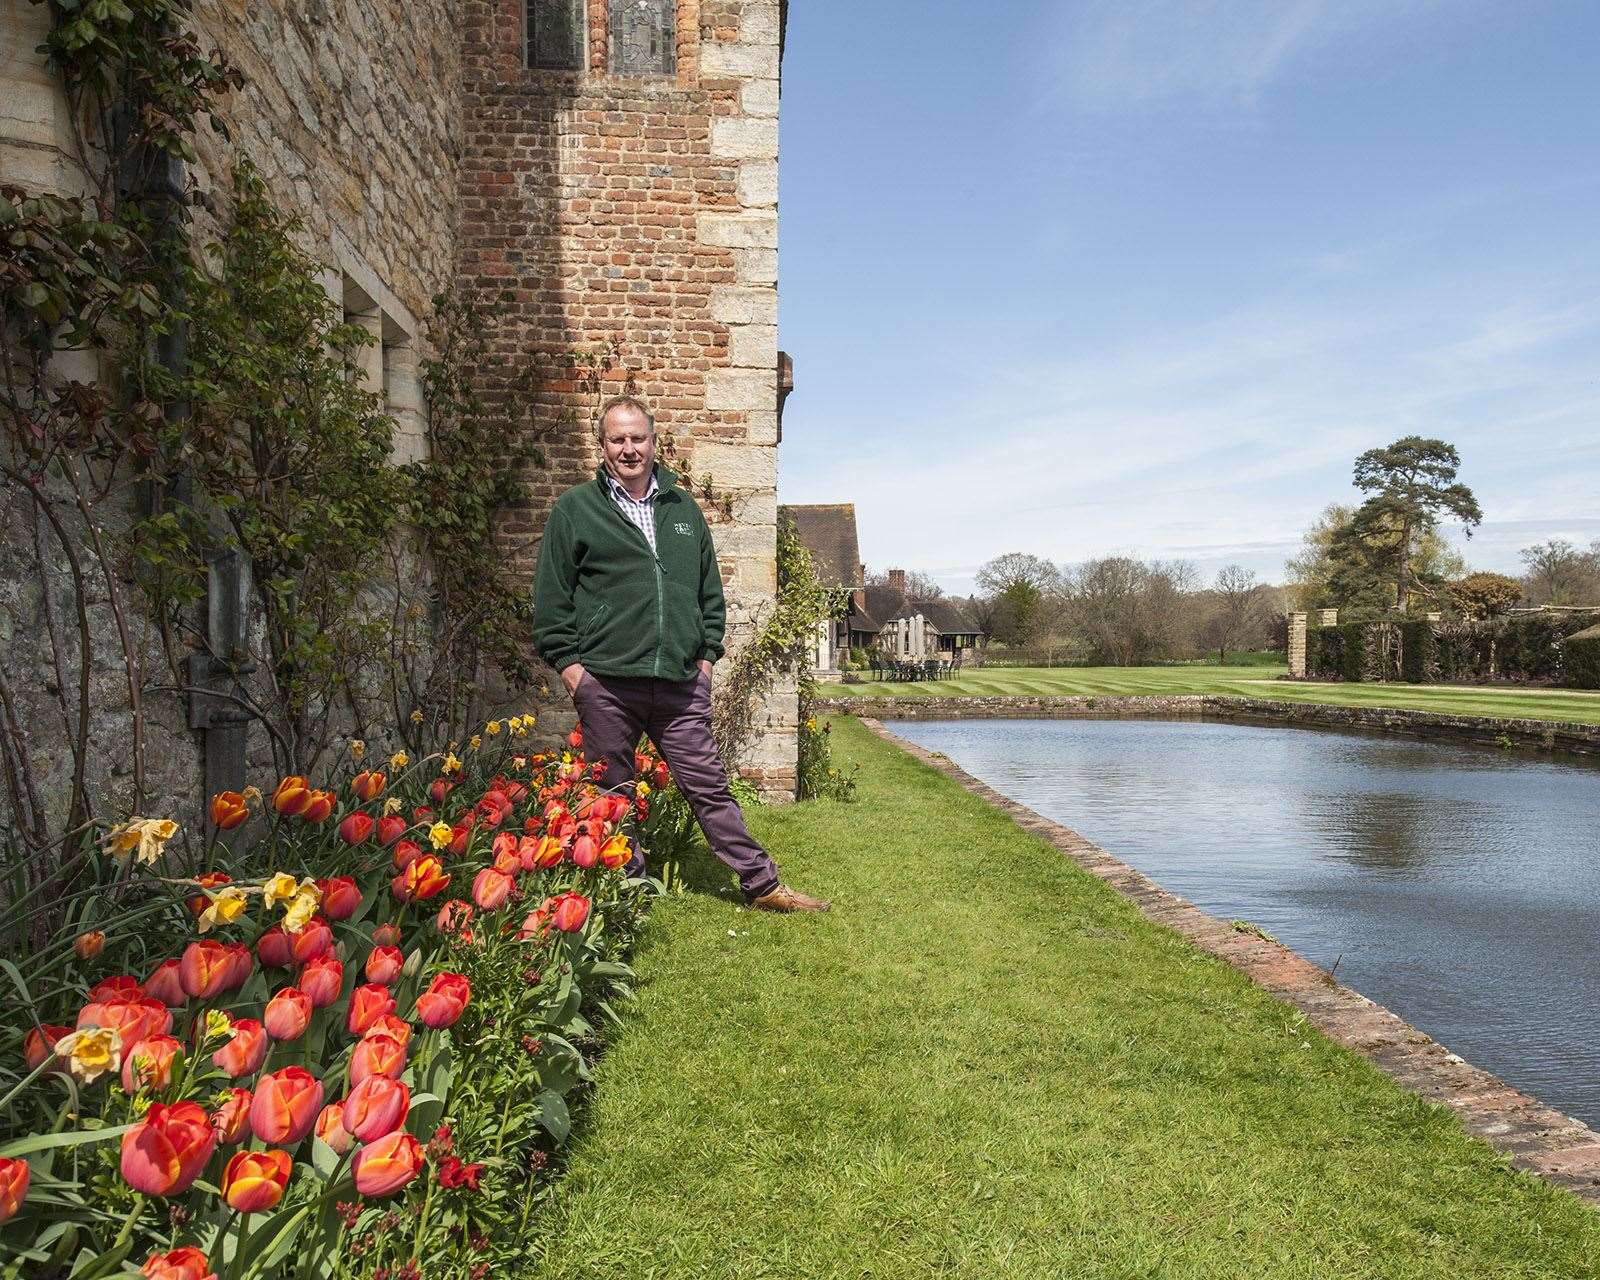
x,y
1416,650
1353,650
1580,658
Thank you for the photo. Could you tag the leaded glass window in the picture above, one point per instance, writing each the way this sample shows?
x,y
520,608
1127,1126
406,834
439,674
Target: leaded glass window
x,y
555,35
643,37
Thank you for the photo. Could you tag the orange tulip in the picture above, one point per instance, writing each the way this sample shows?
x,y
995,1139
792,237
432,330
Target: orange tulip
x,y
340,897
286,1105
368,784
376,1106
535,924
585,852
89,944
386,935
40,1043
424,878
507,863
240,965
164,1153
616,852
122,987
210,880
132,1018
330,1128
288,1014
367,1004
245,1053
454,917
357,828
254,1181
318,807
547,853
397,1029
204,968
228,810
187,1263
387,1164
149,1064
166,985
316,939
569,911
322,979
405,853
384,965
291,796
442,1004
491,889
14,1176
376,1055
232,1119
273,949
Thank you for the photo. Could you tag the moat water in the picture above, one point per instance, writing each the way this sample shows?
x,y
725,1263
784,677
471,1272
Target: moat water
x,y
1457,885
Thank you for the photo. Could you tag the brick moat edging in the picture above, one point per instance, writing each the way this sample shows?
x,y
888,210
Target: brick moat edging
x,y
1536,1138
1538,735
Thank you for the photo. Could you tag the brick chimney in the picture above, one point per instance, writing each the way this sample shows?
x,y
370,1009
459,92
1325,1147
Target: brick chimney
x,y
897,580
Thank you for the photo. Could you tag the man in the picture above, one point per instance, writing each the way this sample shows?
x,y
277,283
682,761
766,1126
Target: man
x,y
628,608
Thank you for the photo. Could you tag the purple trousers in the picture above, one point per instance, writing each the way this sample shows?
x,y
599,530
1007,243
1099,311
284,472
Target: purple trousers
x,y
615,710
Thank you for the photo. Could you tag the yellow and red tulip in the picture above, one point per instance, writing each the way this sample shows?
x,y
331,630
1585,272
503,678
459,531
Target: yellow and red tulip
x,y
187,1263
291,796
228,810
368,784
164,1153
425,878
377,1055
286,1105
14,1175
376,1106
383,1166
149,1064
254,1181
245,1052
330,1128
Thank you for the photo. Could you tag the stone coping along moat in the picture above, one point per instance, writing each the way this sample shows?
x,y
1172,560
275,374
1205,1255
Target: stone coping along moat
x,y
1536,1138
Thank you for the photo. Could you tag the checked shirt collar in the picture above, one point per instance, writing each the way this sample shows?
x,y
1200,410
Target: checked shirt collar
x,y
641,512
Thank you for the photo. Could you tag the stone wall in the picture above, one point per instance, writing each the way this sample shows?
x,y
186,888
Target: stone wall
x,y
1536,735
638,215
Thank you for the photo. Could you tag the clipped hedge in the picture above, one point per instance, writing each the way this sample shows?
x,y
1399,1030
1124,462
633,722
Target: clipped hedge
x,y
1416,650
1528,648
1580,653
1353,650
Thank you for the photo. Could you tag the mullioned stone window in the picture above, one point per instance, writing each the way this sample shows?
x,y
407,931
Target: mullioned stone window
x,y
555,35
643,37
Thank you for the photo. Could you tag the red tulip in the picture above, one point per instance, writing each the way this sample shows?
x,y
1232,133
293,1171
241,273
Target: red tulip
x,y
384,965
240,965
376,1106
438,790
368,784
367,1004
254,1181
14,1174
164,1153
89,944
444,1000
245,1052
585,852
390,829
286,1105
166,985
228,810
535,924
386,935
288,1014
616,852
575,739
504,843
462,834
319,806
291,796
330,1128
204,968
232,1119
187,1263
491,889
376,1055
569,911
273,949
387,1164
314,940
340,897
149,1064
424,878
454,917
123,986
133,1019
396,1028
356,828
40,1043
322,979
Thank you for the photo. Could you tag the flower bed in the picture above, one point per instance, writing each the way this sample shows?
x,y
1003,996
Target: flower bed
x,y
347,1049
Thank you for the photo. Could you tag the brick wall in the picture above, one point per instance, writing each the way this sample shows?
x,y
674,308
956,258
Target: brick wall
x,y
640,212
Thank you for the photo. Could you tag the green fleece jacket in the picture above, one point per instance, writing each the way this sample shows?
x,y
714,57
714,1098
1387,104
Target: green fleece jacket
x,y
602,599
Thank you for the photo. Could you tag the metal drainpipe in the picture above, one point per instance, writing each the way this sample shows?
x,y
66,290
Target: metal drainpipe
x,y
156,180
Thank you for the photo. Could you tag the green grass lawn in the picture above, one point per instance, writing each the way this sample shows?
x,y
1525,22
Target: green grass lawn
x,y
984,1063
1249,681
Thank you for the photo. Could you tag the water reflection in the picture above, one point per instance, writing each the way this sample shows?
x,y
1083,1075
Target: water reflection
x,y
1459,886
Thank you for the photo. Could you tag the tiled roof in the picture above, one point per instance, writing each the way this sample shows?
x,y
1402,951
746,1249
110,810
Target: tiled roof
x,y
948,617
828,531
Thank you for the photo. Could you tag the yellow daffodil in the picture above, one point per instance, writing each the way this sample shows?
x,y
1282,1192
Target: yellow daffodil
x,y
301,908
280,888
475,741
440,835
91,1052
398,761
392,805
146,835
492,728
519,762
451,764
224,907
252,795
416,716
641,789
513,724
358,748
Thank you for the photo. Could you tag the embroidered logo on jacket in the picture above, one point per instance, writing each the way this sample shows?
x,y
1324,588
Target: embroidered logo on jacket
x,y
684,529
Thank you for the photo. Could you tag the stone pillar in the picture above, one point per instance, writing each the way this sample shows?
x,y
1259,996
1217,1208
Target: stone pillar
x,y
1329,618
1297,646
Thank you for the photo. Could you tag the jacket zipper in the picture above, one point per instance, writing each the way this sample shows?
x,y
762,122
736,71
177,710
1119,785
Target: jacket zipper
x,y
655,563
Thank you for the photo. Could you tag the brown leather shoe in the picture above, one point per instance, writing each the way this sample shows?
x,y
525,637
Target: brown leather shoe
x,y
785,899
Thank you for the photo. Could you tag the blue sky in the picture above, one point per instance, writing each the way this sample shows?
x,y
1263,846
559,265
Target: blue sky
x,y
1144,276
